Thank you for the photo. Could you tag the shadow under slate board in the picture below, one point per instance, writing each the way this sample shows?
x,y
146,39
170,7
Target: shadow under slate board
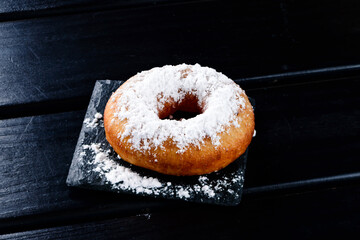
x,y
96,165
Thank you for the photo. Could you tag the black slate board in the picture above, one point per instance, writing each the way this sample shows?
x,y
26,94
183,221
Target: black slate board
x,y
223,187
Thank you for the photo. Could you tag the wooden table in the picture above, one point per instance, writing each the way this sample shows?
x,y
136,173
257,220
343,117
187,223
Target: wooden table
x,y
297,59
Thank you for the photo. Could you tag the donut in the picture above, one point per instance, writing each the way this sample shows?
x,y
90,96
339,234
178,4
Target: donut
x,y
137,127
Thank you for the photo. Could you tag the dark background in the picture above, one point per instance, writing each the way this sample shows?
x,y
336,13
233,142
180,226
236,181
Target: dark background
x,y
300,61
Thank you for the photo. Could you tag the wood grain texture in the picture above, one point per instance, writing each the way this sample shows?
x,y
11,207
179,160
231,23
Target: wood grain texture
x,y
328,213
36,153
303,131
61,57
35,157
24,9
53,58
13,6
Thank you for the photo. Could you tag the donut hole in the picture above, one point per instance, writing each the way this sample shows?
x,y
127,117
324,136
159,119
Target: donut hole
x,y
185,109
179,115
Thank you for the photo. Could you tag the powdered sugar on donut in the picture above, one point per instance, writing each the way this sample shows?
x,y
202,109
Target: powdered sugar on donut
x,y
141,99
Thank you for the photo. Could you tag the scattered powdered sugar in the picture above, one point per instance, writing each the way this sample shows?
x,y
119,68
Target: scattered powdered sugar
x,y
182,193
208,191
94,122
119,176
141,98
123,178
205,188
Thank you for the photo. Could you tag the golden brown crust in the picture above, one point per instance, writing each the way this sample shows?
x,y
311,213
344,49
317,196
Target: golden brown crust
x,y
193,161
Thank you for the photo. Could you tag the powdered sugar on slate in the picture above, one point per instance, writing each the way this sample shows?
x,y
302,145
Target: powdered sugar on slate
x,y
139,103
119,176
123,178
94,122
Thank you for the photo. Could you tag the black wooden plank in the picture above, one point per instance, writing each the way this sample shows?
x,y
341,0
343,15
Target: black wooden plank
x,y
36,153
330,213
15,6
60,57
21,9
35,157
303,131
